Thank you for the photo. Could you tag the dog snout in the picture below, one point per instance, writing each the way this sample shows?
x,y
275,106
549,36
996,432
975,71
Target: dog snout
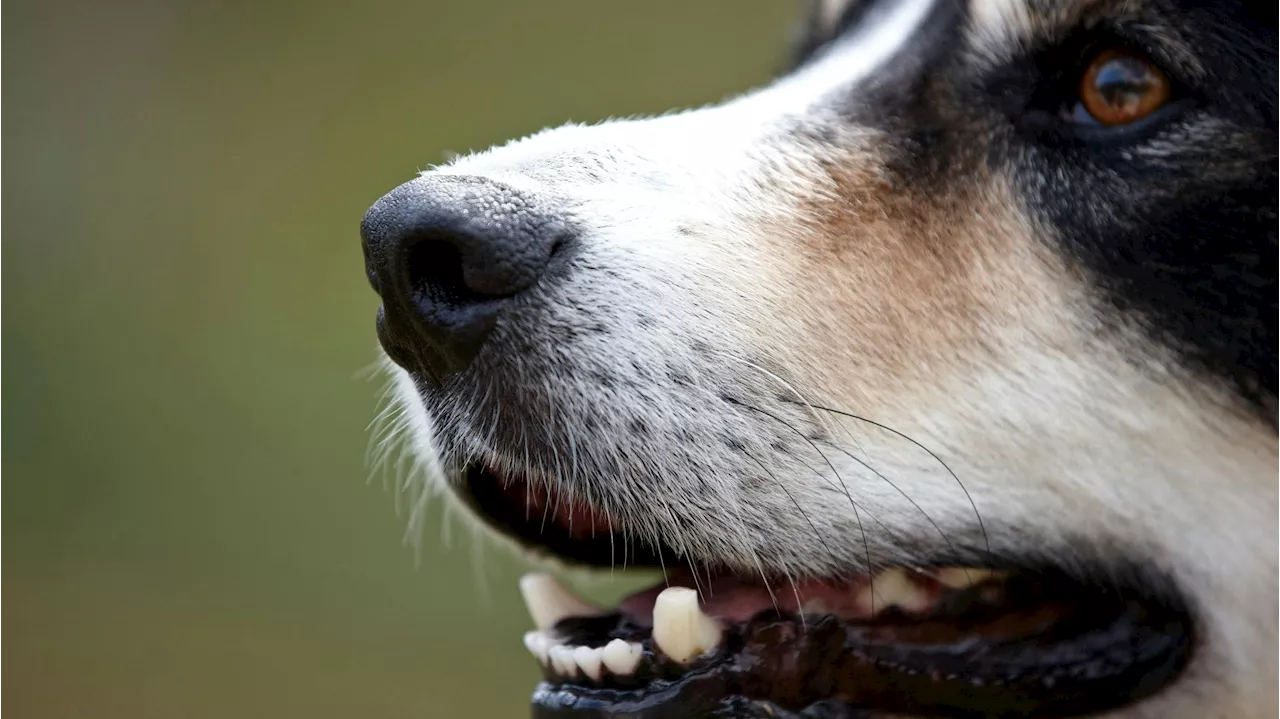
x,y
447,254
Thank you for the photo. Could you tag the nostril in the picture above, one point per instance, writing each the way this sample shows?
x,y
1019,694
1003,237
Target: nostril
x,y
557,246
448,255
435,276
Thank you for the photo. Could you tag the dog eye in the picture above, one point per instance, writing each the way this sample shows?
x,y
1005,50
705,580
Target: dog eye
x,y
1119,87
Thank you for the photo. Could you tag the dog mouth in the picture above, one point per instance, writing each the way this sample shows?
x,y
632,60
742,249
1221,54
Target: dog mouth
x,y
933,640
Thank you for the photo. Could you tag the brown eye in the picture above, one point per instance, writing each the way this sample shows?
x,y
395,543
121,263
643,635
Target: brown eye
x,y
1120,87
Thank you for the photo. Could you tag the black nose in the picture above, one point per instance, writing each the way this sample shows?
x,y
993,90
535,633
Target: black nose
x,y
447,254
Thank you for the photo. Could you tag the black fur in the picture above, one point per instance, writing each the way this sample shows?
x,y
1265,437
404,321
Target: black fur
x,y
1184,241
1172,219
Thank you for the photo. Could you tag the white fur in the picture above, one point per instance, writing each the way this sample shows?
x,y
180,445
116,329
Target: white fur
x,y
1000,28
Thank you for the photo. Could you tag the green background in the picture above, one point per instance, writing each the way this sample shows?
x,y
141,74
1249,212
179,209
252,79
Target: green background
x,y
188,529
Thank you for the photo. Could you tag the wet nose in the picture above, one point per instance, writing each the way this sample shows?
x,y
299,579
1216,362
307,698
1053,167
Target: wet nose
x,y
447,255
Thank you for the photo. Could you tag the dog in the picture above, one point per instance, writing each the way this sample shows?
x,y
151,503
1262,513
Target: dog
x,y
937,376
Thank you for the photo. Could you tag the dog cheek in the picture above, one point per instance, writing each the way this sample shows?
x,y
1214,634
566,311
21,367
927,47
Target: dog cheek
x,y
879,291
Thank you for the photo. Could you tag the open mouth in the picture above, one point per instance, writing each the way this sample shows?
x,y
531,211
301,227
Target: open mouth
x,y
935,640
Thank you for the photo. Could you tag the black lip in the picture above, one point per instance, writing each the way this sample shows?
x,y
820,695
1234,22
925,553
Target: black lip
x,y
484,492
1117,643
1101,650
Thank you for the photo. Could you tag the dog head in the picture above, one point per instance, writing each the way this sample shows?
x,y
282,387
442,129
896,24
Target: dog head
x,y
986,284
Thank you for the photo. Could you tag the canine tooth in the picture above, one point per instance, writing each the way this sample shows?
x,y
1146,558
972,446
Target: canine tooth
x,y
538,644
680,628
896,589
548,601
589,660
963,577
816,606
621,657
562,660
893,587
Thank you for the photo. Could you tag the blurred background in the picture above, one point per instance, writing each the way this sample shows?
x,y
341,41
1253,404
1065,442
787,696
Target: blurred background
x,y
190,528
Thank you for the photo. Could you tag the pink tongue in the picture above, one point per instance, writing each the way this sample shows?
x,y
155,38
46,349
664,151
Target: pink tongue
x,y
731,599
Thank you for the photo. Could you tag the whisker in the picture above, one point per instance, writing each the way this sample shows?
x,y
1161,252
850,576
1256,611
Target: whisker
x,y
583,487
697,585
764,579
683,548
866,547
371,371
657,546
905,496
930,452
816,534
613,557
493,416
617,461
385,433
820,419
555,456
837,489
795,591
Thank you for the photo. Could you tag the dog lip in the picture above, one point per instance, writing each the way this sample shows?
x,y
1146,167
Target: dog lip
x,y
419,362
1097,647
1058,648
559,525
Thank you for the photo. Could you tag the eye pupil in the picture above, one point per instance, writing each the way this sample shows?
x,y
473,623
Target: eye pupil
x,y
1124,82
1119,88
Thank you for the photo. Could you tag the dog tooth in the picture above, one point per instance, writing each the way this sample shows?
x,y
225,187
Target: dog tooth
x,y
962,577
680,628
621,657
816,606
538,644
562,660
548,601
893,587
589,660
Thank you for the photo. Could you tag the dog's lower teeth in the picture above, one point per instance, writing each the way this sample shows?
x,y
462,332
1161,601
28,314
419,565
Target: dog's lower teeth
x,y
568,661
680,628
590,661
682,632
549,601
562,661
621,657
538,644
